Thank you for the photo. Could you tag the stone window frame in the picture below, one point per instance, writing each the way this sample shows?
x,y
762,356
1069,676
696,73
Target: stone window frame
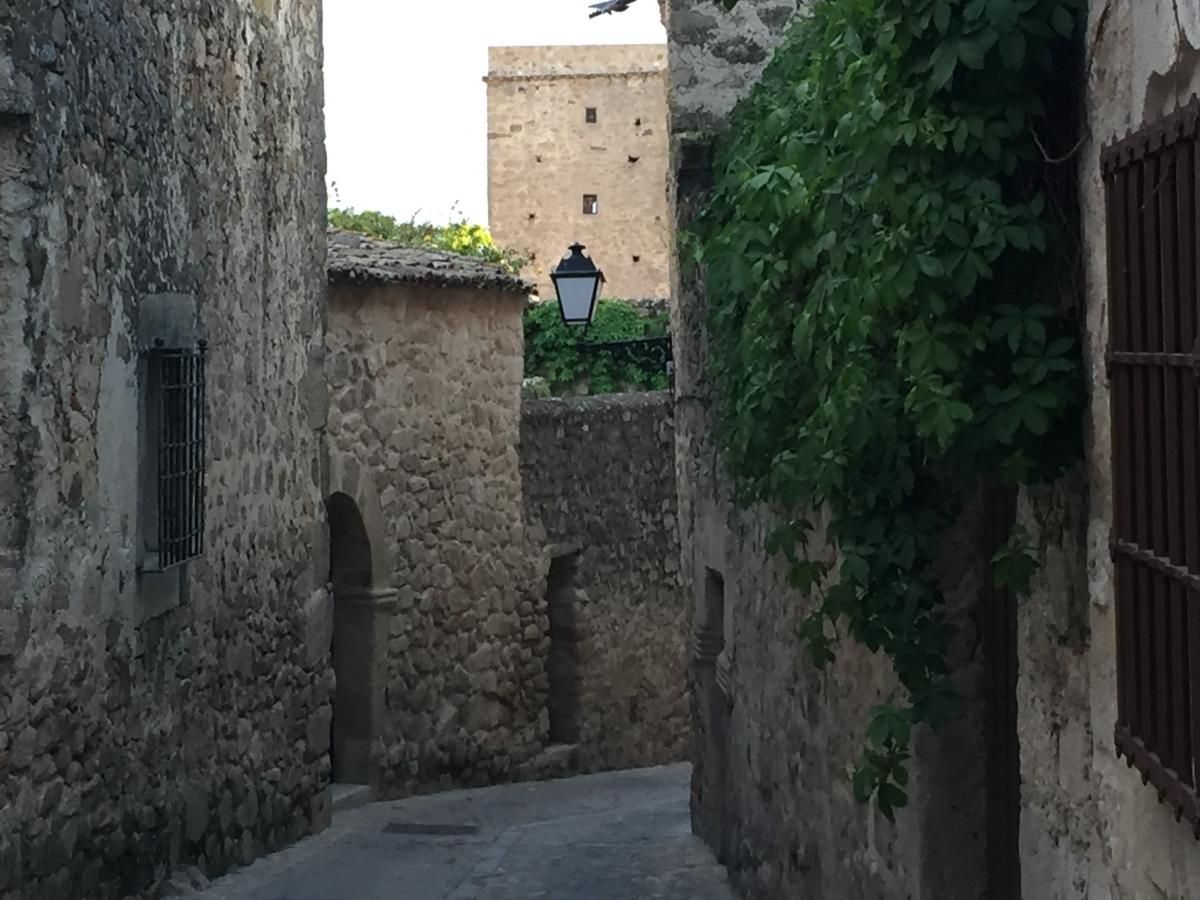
x,y
168,329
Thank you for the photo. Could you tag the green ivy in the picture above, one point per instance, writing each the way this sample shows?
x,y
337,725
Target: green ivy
x,y
457,237
552,352
888,255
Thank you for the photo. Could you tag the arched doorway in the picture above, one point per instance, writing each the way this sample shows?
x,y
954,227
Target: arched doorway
x,y
349,545
350,572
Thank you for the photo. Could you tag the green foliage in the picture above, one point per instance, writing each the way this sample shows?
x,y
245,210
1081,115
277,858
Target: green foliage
x,y
551,349
885,255
457,237
1014,564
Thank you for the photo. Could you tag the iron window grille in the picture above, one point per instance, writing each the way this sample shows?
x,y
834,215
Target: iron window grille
x,y
1151,181
589,115
176,450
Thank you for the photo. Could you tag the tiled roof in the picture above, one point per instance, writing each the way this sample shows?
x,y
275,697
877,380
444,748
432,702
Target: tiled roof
x,y
355,259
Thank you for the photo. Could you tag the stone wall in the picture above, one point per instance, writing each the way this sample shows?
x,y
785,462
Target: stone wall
x,y
1089,827
167,157
423,431
599,482
544,156
774,738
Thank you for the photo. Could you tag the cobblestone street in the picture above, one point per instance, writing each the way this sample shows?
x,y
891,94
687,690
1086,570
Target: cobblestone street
x,y
619,836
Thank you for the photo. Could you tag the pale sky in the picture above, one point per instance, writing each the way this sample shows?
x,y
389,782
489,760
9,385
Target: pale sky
x,y
405,103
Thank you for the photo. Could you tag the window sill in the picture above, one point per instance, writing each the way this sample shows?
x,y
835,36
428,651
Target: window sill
x,y
159,593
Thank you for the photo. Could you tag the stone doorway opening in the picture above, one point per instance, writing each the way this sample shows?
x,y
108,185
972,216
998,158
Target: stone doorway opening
x,y
562,667
351,652
712,712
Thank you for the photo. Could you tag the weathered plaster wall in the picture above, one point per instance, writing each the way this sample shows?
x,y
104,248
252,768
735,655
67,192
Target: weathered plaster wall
x,y
158,148
774,737
599,480
424,426
543,156
716,56
1089,827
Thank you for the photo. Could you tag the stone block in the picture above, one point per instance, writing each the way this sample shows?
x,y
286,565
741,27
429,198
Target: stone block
x,y
196,811
318,613
23,748
11,640
318,726
10,862
321,810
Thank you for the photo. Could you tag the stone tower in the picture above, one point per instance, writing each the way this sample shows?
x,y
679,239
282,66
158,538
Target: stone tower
x,y
577,151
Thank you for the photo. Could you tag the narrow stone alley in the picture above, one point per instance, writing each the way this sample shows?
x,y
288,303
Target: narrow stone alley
x,y
616,836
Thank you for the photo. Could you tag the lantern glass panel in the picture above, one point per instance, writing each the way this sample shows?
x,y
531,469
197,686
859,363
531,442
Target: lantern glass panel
x,y
576,295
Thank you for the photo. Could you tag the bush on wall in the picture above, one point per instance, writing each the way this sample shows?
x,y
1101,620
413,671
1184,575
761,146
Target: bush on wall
x,y
457,237
552,352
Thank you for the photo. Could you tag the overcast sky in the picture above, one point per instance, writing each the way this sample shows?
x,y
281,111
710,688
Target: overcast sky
x,y
405,104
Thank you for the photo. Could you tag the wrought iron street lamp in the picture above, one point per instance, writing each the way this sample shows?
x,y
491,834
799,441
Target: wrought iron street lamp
x,y
577,285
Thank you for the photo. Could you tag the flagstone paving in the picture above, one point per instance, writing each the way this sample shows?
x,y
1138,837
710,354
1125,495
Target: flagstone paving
x,y
615,836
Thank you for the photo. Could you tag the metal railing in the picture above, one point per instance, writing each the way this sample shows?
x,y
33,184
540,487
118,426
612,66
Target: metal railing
x,y
180,440
1151,182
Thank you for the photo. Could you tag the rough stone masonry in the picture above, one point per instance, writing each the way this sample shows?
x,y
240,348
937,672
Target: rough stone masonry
x,y
599,484
570,122
160,173
163,277
1090,828
440,632
498,615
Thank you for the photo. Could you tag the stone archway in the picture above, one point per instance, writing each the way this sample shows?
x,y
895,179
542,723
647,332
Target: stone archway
x,y
360,623
350,565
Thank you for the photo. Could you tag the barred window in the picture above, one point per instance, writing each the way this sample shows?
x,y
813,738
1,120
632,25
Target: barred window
x,y
1151,182
174,453
589,115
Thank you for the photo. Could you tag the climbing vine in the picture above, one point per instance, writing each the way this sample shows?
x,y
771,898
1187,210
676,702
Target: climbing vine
x,y
889,258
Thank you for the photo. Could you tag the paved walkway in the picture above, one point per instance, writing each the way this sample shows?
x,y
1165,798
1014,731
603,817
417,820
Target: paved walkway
x,y
617,836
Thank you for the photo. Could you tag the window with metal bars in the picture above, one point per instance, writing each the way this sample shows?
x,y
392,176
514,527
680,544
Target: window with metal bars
x,y
176,421
1151,181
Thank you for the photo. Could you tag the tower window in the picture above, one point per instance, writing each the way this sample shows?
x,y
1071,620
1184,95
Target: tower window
x,y
589,115
591,205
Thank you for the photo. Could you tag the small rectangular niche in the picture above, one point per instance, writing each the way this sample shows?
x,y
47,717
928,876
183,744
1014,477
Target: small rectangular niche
x,y
713,613
591,205
562,610
589,115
